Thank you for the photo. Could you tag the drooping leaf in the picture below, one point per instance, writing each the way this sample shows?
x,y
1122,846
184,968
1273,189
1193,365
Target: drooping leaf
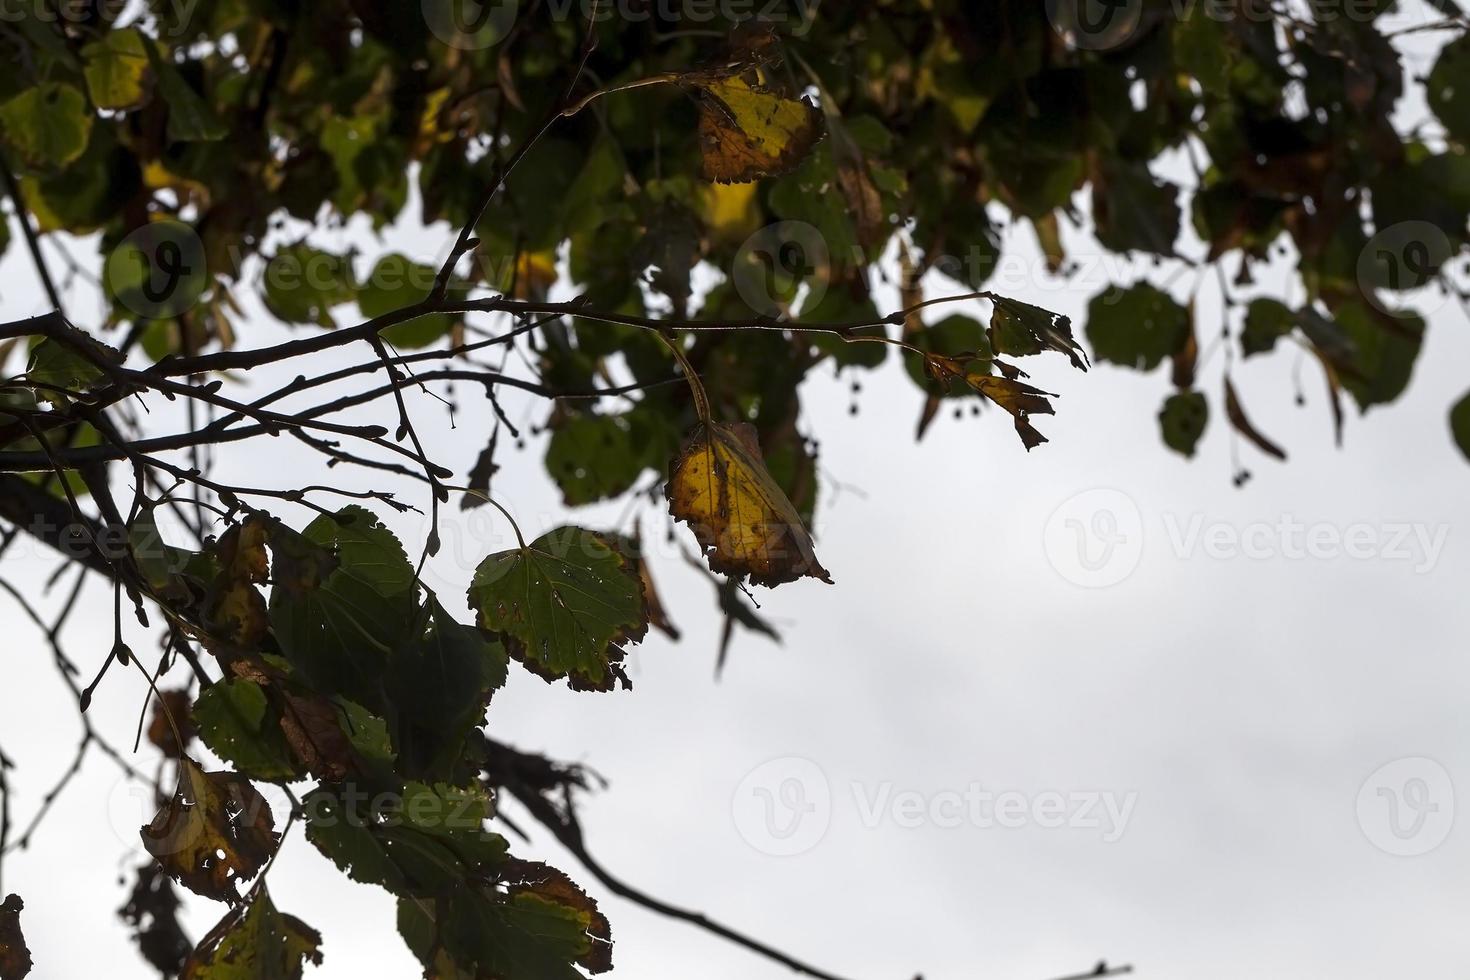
x,y
1020,329
745,525
48,126
1242,424
1182,421
255,942
747,131
563,604
15,958
215,833
1136,327
152,913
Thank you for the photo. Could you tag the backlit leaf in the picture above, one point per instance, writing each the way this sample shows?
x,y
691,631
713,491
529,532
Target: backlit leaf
x,y
747,131
47,125
215,833
563,605
255,942
117,70
1136,327
1182,421
745,525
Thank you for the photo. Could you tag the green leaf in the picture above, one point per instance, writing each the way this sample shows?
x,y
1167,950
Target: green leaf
x,y
255,942
1021,329
117,70
563,604
1182,421
1460,424
1266,321
303,283
397,282
419,841
237,724
47,125
1384,346
59,366
190,118
1134,211
593,457
1448,88
441,686
341,633
531,921
1137,327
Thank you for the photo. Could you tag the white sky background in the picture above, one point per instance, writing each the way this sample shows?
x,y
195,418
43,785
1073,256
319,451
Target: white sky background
x,y
1244,700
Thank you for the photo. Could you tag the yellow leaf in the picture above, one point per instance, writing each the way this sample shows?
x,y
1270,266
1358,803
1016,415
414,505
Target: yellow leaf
x,y
744,523
216,831
747,131
730,211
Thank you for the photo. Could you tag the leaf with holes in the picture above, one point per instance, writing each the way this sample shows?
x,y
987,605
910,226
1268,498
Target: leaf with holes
x,y
563,604
745,524
215,832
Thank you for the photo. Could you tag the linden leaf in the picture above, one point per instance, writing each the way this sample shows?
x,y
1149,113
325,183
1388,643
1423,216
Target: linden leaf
x,y
216,831
48,125
745,524
1021,329
530,921
117,70
563,604
1182,421
236,721
15,958
1018,398
255,942
747,131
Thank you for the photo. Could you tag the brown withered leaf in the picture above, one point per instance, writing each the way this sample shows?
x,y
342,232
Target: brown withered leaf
x,y
1006,390
315,734
747,131
236,611
15,958
216,831
1236,413
745,525
175,704
152,912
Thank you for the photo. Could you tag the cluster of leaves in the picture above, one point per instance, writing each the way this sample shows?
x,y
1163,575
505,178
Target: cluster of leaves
x,y
250,122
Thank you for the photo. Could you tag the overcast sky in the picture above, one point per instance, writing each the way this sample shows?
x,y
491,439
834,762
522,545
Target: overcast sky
x,y
1089,702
